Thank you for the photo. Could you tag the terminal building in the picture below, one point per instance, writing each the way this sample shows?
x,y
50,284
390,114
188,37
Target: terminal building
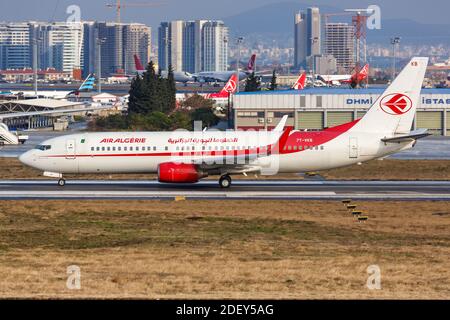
x,y
318,108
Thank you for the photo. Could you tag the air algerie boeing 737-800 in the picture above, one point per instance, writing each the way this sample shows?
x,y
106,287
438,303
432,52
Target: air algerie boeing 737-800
x,y
187,157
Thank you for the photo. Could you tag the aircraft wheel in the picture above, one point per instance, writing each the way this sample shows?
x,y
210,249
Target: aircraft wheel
x,y
225,181
61,182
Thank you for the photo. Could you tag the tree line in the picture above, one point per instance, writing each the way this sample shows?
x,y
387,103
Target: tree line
x,y
153,106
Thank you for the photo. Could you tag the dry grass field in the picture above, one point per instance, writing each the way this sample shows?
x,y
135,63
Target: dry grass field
x,y
11,168
232,249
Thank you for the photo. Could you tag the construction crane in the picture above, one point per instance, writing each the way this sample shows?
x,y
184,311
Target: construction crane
x,y
119,6
359,21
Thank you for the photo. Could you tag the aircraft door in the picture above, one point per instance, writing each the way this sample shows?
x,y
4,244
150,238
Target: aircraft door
x,y
70,149
353,148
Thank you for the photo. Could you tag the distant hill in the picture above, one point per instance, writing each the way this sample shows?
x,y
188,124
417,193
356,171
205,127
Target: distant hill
x,y
278,20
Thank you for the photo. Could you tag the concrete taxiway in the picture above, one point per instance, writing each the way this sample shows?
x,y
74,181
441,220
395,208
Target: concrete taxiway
x,y
248,189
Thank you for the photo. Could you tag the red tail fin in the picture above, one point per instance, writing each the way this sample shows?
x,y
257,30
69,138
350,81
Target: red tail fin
x,y
138,63
364,73
300,83
251,63
231,86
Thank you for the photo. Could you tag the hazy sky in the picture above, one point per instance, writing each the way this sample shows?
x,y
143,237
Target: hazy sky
x,y
430,11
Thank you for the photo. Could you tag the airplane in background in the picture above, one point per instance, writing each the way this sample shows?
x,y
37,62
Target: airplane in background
x,y
204,76
87,85
300,83
182,76
339,79
187,157
223,76
221,96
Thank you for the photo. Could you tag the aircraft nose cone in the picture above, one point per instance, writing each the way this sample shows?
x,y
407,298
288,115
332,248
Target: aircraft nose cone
x,y
25,158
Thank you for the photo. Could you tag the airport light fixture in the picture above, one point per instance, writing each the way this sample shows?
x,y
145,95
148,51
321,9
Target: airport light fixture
x,y
239,42
35,64
395,41
100,42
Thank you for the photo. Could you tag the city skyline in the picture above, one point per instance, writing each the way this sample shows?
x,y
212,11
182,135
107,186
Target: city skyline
x,y
55,10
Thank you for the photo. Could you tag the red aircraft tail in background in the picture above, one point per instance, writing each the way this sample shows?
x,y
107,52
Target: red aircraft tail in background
x,y
360,76
300,83
251,64
138,63
230,87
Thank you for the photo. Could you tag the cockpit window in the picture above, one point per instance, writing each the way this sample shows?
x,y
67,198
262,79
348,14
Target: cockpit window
x,y
43,147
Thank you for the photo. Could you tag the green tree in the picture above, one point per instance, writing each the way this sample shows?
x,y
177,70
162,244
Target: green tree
x,y
171,91
144,92
273,81
136,99
180,120
196,101
206,116
252,83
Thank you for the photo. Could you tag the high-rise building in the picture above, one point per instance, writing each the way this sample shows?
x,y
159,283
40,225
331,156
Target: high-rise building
x,y
88,54
170,41
110,36
307,30
136,41
300,40
193,46
215,46
60,45
71,46
339,43
15,41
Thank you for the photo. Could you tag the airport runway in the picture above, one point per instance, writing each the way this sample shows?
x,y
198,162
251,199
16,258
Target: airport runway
x,y
275,190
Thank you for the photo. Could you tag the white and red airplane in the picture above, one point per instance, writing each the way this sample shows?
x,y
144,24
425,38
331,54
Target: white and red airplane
x,y
223,76
338,79
179,76
187,157
204,76
221,96
300,83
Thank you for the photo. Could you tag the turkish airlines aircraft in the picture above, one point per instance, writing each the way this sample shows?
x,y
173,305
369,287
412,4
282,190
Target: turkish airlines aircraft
x,y
182,76
187,157
222,76
338,79
300,83
222,95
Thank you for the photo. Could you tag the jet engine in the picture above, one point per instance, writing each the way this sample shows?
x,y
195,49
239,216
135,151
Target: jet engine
x,y
171,172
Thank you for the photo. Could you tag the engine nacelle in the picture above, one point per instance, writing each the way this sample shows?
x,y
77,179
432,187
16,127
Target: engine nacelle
x,y
171,172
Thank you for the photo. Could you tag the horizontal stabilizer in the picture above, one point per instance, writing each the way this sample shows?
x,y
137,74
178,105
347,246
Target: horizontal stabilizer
x,y
413,135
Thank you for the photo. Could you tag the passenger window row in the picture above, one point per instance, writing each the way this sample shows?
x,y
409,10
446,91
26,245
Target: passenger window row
x,y
301,148
126,148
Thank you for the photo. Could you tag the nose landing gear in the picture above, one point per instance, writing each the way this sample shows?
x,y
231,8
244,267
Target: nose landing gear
x,y
61,182
225,181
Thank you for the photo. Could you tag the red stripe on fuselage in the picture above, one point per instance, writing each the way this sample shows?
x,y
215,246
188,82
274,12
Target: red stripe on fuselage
x,y
288,138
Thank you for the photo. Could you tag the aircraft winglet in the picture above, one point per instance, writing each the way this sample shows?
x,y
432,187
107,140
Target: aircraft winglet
x,y
281,124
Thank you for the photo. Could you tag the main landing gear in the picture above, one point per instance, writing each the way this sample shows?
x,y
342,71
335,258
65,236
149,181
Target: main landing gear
x,y
61,182
225,181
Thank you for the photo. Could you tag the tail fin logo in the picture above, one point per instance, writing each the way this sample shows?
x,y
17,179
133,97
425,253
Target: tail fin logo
x,y
231,85
396,104
251,63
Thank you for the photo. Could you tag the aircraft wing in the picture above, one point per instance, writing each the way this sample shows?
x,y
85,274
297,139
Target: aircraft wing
x,y
240,161
414,135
